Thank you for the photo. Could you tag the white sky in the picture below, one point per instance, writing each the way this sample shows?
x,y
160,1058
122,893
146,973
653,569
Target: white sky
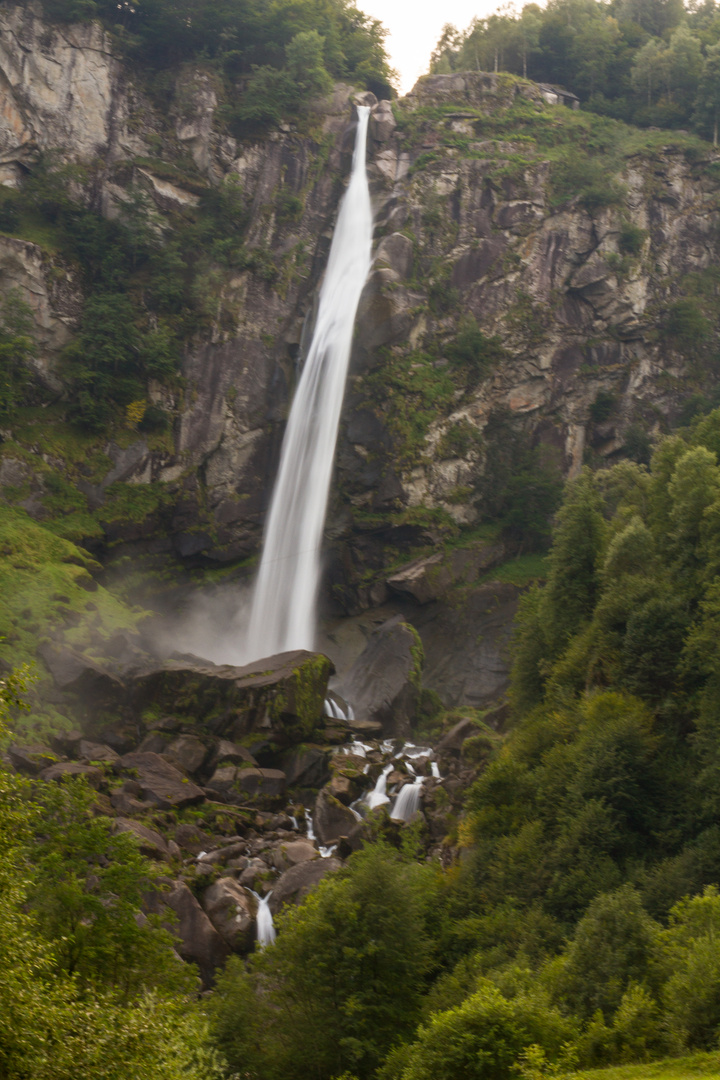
x,y
416,25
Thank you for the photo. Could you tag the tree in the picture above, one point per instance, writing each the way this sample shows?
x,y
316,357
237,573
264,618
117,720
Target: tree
x,y
482,1039
707,103
615,944
575,561
343,981
17,349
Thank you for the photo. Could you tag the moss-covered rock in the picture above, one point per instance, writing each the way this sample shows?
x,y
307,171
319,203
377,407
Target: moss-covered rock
x,y
280,697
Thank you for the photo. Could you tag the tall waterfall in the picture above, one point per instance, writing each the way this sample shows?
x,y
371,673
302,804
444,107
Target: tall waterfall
x,y
283,610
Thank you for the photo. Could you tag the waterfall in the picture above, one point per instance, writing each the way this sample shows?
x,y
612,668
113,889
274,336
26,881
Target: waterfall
x,y
283,611
265,928
407,801
378,797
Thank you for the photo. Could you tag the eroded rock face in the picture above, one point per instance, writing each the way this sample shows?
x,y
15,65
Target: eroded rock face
x,y
384,683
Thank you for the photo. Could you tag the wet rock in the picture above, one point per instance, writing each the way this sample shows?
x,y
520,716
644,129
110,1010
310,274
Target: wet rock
x,y
424,579
282,695
382,122
230,753
160,783
331,819
255,869
257,783
155,742
231,910
451,742
306,766
293,853
124,803
92,751
71,671
396,251
31,760
151,843
343,789
383,684
192,839
188,752
61,769
222,856
67,742
199,943
295,884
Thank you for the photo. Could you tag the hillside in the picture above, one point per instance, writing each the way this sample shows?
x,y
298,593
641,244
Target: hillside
x,y
481,819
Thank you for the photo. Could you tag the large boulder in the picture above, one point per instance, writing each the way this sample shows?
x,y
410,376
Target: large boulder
x,y
61,769
199,943
383,685
238,785
98,688
160,783
306,766
232,910
188,752
31,760
331,819
282,695
295,884
151,843
293,853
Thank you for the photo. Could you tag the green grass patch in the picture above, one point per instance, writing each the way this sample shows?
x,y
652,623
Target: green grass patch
x,y
47,588
685,1068
520,571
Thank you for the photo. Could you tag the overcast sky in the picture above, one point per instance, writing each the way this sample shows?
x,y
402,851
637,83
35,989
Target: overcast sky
x,y
416,25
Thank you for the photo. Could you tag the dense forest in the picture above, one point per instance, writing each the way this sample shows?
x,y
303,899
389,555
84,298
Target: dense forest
x,y
580,926
648,62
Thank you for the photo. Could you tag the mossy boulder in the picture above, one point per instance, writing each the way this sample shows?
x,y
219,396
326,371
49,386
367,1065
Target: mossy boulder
x,y
281,697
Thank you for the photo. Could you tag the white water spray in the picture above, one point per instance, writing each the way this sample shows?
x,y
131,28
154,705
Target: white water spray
x,y
283,611
265,928
408,801
378,796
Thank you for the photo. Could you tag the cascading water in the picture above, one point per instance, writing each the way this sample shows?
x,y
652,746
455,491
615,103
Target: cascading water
x,y
265,928
378,797
283,611
408,801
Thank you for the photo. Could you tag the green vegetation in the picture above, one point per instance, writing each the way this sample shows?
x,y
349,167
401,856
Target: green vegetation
x,y
84,989
256,50
648,62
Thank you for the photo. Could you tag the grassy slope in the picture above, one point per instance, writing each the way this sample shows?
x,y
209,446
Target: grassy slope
x,y
686,1068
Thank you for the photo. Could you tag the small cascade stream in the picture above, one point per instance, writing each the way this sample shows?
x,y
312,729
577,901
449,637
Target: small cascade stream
x,y
378,796
283,610
265,928
408,801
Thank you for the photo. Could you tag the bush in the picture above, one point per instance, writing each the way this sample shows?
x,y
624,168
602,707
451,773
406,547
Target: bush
x,y
631,239
686,324
482,1039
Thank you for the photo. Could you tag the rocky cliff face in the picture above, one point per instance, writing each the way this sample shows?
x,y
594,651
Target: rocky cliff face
x,y
561,301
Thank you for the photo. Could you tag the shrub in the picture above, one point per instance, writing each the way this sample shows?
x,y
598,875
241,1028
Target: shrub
x,y
686,324
483,1038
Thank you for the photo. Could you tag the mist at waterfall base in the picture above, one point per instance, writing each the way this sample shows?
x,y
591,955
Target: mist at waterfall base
x,y
237,626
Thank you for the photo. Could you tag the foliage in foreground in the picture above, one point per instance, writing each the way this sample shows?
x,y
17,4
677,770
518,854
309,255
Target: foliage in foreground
x,y
84,990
